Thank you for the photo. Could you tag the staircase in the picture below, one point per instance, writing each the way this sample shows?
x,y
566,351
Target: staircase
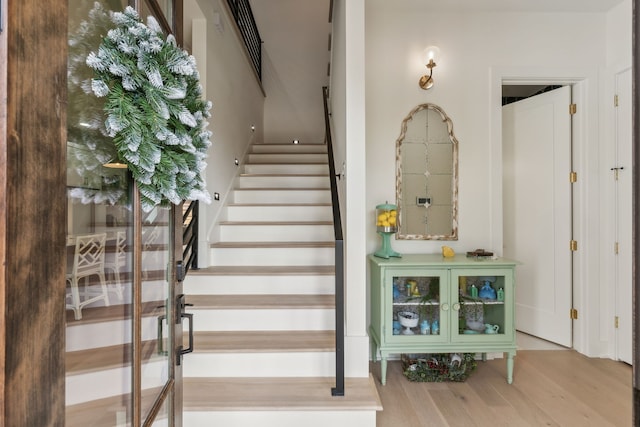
x,y
264,311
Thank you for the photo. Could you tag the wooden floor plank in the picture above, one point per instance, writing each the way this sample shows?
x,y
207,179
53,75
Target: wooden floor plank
x,y
550,388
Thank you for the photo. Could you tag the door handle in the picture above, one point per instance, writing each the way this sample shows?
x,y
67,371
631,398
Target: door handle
x,y
189,349
180,306
161,350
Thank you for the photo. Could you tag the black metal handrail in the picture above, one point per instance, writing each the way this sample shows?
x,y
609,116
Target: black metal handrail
x,y
338,390
242,14
190,235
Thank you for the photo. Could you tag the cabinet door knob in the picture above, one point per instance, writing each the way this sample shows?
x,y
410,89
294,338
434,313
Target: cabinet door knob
x,y
456,306
445,307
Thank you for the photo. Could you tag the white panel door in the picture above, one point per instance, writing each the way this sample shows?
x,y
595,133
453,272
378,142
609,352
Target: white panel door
x,y
536,148
621,175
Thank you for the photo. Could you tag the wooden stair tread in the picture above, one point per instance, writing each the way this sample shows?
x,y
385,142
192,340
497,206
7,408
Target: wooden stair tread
x,y
110,357
272,394
277,204
258,302
263,341
268,223
330,244
283,175
111,313
268,270
102,412
283,189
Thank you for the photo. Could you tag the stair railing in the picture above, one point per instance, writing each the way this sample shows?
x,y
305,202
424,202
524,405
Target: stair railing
x,y
190,235
338,390
242,14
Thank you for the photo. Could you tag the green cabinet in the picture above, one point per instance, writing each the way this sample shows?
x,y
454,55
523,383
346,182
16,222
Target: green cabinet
x,y
425,303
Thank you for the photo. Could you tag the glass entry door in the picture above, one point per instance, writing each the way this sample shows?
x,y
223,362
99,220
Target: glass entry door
x,y
121,285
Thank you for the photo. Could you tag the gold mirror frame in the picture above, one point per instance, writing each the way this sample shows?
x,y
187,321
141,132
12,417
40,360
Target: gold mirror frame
x,y
403,209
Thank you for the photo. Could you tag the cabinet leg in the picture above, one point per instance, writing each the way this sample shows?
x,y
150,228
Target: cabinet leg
x,y
510,367
383,370
484,357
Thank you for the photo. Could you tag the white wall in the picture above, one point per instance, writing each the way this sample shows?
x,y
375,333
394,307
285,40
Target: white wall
x,y
294,67
347,107
237,97
477,51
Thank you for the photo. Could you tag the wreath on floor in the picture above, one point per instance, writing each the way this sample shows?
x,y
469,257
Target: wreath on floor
x,y
154,109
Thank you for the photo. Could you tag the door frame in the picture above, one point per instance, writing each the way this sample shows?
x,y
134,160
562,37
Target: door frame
x,y
586,294
33,211
614,259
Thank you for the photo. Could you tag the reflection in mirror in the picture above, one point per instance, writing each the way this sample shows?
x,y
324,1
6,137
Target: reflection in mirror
x,y
427,176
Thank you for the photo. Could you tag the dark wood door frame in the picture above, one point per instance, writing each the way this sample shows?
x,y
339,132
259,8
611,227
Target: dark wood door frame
x,y
636,212
33,70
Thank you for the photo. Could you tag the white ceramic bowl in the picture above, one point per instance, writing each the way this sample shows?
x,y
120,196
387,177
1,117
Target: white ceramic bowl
x,y
409,319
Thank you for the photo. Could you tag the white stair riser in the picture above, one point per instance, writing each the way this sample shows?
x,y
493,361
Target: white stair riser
x,y
287,158
279,213
292,168
306,418
285,364
272,256
262,320
251,285
275,233
289,148
295,181
84,387
103,334
282,196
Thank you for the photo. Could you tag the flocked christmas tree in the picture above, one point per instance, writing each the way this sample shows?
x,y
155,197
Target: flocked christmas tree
x,y
154,109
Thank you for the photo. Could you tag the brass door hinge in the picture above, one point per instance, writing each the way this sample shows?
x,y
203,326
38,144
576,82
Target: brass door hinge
x,y
617,322
573,177
573,245
616,248
615,100
573,109
573,313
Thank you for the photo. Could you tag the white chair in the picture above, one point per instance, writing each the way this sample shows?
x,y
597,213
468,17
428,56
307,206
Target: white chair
x,y
88,260
114,261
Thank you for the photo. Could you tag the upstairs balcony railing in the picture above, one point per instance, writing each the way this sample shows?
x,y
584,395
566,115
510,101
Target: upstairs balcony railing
x,y
190,235
242,14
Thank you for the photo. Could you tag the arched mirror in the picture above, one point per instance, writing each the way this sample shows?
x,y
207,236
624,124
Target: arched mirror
x,y
427,176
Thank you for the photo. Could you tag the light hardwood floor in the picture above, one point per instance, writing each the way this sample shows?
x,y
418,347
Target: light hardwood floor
x,y
550,388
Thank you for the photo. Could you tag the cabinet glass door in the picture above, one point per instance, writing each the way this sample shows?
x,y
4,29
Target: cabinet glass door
x,y
481,304
416,308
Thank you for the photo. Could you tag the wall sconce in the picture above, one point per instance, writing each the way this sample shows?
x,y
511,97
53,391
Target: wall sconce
x,y
430,56
115,164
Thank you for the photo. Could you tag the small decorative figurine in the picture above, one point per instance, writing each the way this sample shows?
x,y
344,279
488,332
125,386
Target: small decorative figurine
x,y
473,291
448,252
435,327
425,327
487,291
